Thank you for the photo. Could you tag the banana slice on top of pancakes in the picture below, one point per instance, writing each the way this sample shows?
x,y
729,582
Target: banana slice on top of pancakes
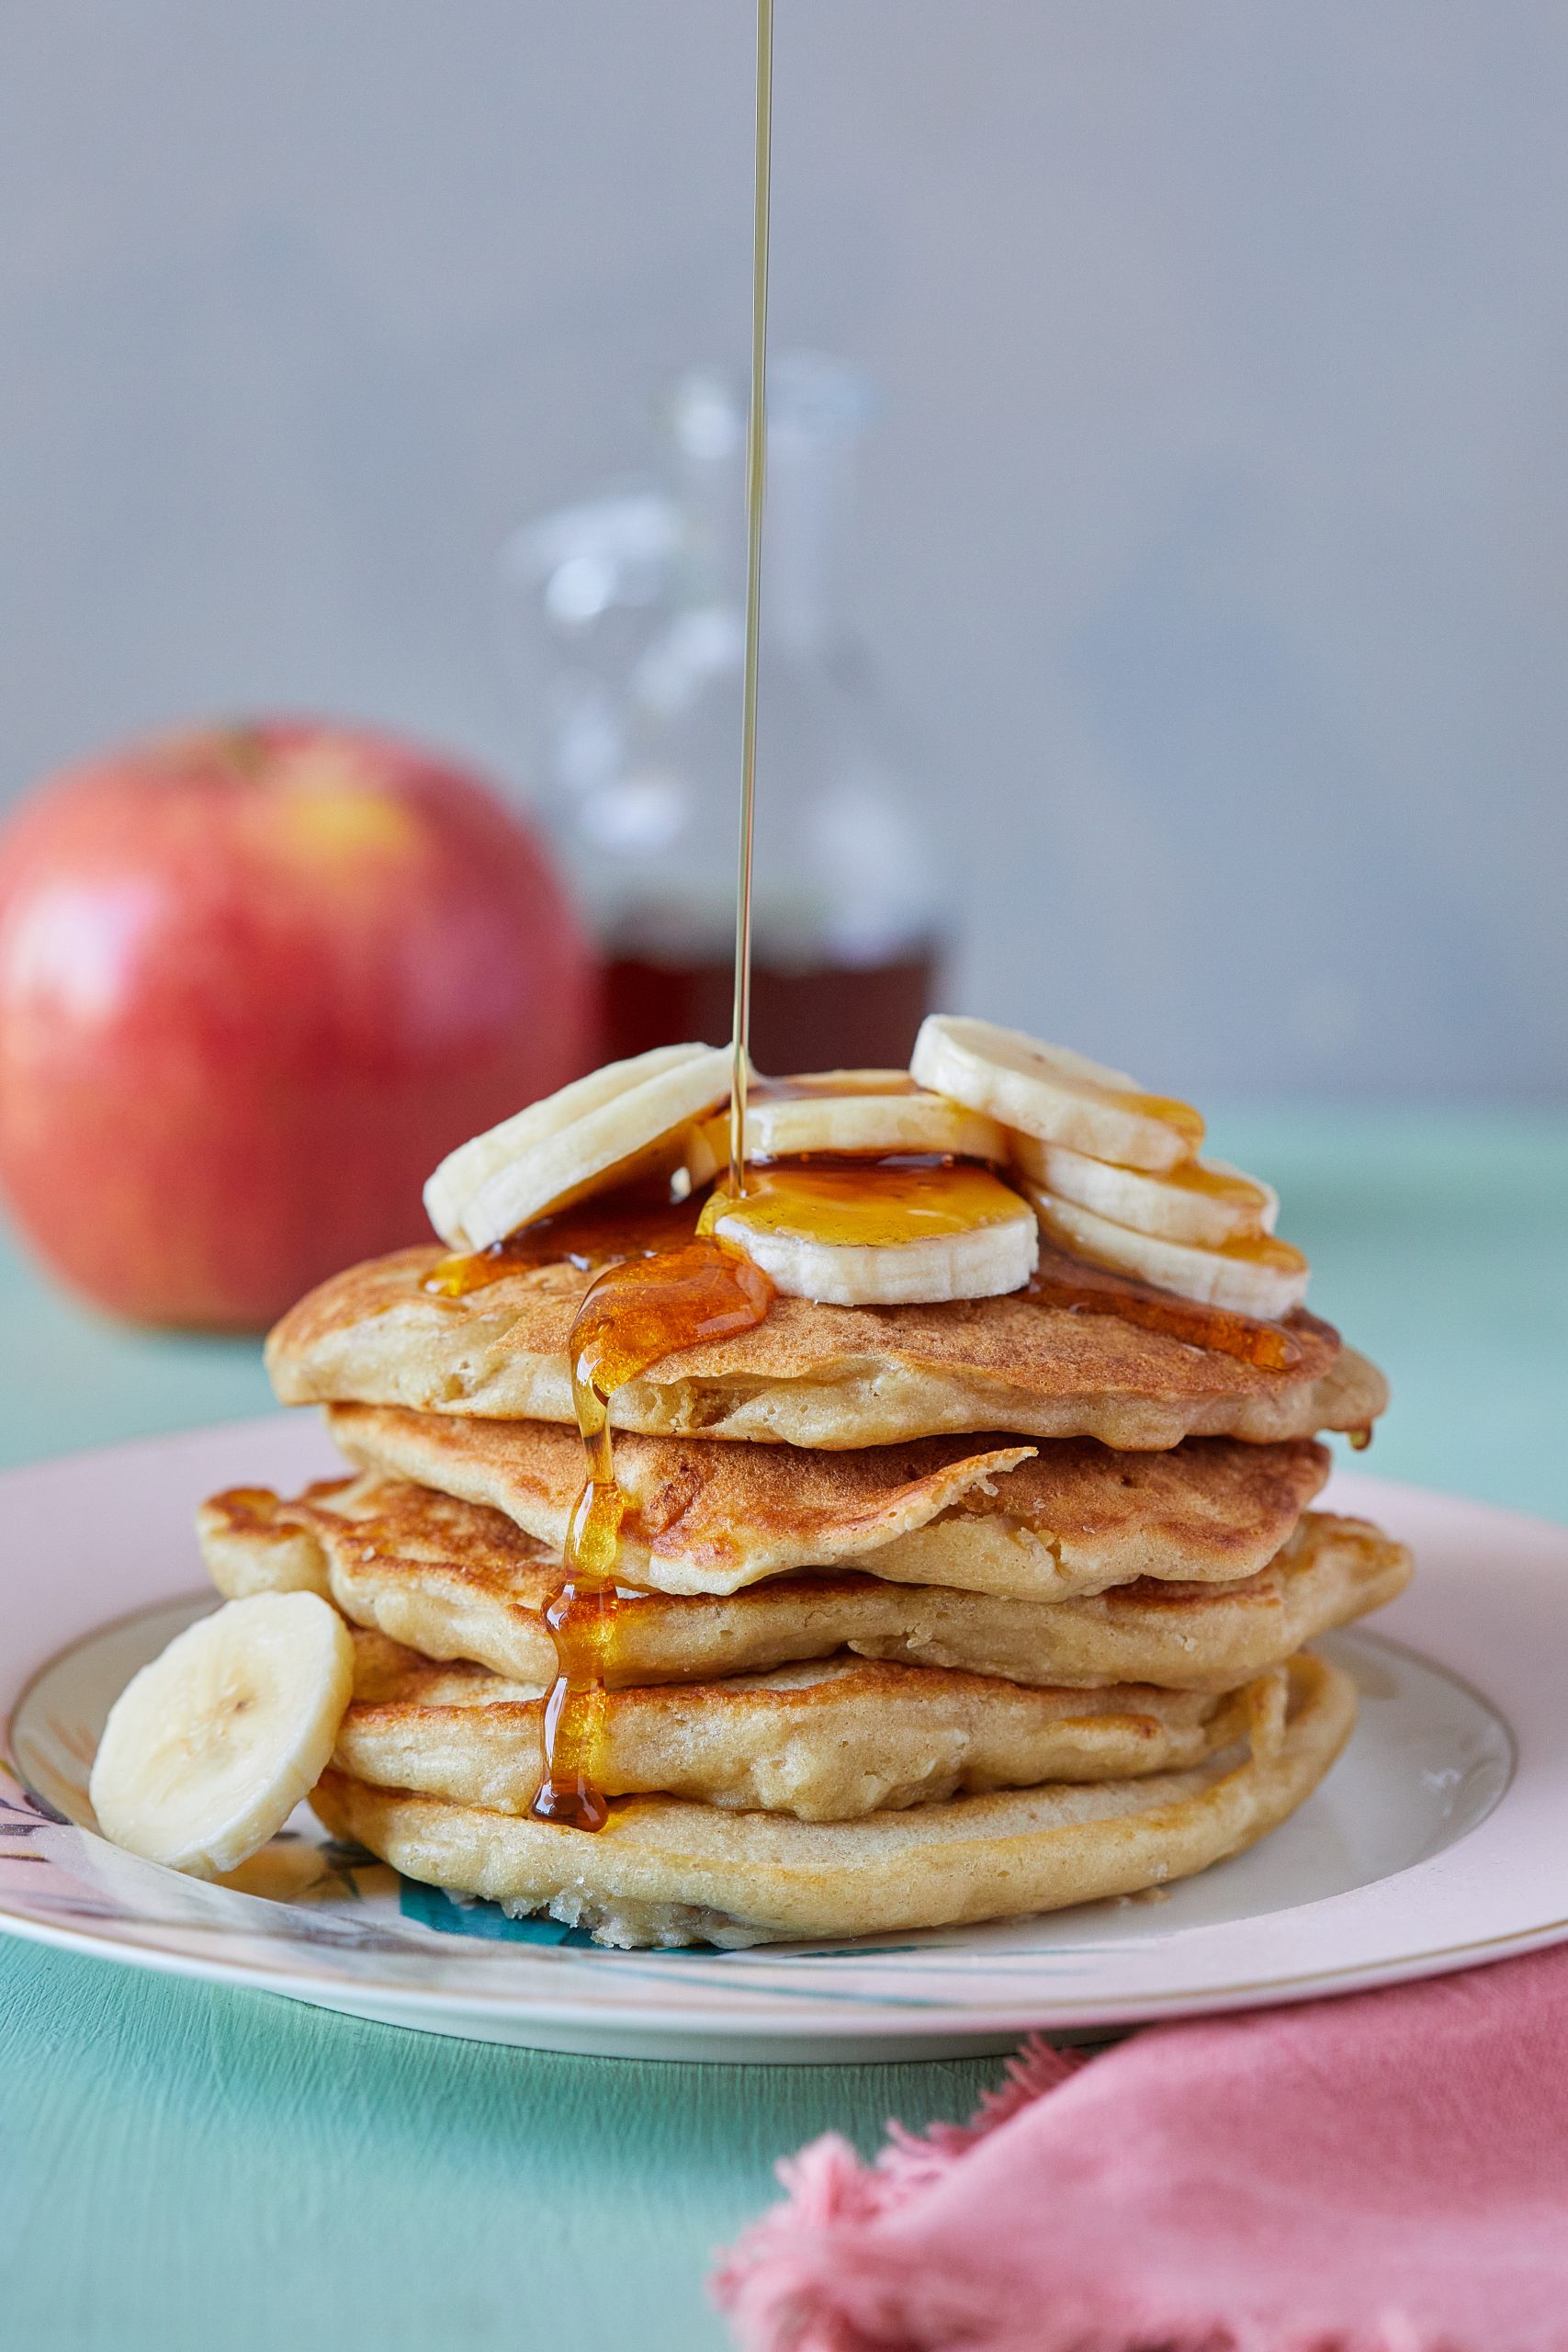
x,y
1049,1092
858,1114
629,1121
881,1237
863,1188
1260,1276
1205,1202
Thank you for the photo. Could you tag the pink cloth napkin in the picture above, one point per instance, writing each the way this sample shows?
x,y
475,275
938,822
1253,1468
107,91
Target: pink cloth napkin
x,y
1386,2173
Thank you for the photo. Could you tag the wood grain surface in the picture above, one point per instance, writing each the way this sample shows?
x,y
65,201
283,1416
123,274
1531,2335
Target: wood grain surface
x,y
186,2166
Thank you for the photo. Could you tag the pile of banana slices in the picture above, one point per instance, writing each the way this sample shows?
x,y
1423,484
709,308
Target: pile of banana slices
x,y
1039,1140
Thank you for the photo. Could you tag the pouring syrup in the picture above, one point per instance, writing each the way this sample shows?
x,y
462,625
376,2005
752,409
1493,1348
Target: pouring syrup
x,y
645,1307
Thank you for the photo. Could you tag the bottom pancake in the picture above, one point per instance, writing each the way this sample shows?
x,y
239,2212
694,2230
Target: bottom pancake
x,y
833,1740
664,1872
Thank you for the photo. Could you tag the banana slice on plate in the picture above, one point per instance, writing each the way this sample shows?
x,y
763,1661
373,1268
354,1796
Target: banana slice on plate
x,y
1258,1275
881,1238
857,1114
1202,1201
208,1749
1048,1092
626,1121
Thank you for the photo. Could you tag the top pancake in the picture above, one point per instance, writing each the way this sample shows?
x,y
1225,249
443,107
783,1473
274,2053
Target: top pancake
x,y
810,1376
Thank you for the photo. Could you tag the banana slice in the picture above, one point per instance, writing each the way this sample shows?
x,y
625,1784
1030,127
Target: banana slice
x,y
625,1121
1203,1200
857,1112
880,1236
1259,1275
209,1748
1048,1092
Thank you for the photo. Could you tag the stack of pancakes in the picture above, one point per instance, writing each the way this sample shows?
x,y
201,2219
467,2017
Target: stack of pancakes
x,y
936,1614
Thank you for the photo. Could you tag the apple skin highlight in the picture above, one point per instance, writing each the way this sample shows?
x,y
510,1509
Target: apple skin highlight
x,y
254,982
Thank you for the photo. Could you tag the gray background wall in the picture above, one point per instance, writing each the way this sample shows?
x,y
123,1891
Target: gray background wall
x,y
1212,540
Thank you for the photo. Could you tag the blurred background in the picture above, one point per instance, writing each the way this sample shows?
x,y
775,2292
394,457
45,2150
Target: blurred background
x,y
1200,576
1208,540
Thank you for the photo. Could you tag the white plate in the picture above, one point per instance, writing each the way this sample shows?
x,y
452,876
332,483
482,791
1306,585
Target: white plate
x,y
1436,1843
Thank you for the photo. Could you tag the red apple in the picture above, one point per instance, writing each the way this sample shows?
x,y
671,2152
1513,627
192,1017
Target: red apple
x,y
254,983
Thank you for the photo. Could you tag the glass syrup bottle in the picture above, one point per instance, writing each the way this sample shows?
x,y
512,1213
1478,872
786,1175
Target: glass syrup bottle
x,y
625,615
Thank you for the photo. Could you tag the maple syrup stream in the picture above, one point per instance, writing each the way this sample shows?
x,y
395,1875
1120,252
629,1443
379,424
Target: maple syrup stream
x,y
651,1306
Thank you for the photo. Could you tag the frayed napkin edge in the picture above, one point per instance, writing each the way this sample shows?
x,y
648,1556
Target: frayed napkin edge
x,y
781,2284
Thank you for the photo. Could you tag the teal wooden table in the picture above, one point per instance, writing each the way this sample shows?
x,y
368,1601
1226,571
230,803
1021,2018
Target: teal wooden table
x,y
184,2166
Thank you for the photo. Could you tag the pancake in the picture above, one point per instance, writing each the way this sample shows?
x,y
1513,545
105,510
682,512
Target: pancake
x,y
1073,1517
830,1741
453,1580
810,1376
665,1872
